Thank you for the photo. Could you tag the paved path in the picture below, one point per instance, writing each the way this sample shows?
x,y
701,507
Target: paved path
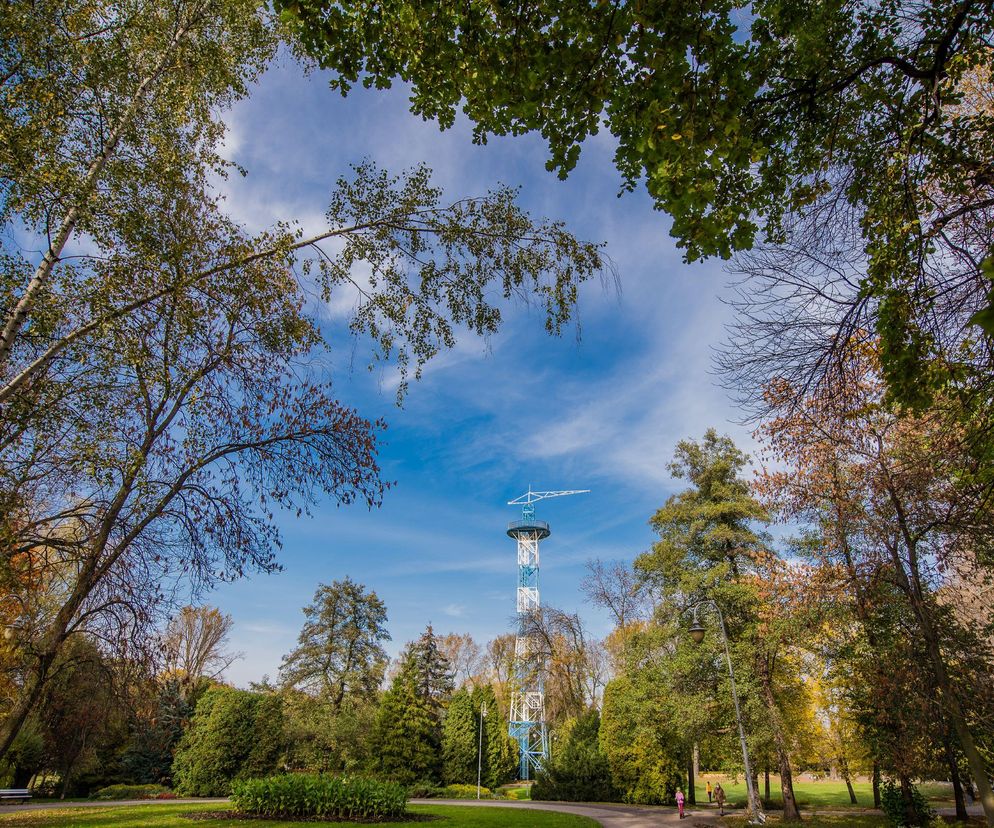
x,y
608,815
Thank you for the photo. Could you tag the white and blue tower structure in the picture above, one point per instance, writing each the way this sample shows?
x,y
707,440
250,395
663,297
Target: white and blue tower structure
x,y
527,720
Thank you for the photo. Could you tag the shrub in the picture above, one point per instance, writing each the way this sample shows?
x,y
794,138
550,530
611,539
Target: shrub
x,y
463,792
131,792
312,795
580,771
422,790
893,806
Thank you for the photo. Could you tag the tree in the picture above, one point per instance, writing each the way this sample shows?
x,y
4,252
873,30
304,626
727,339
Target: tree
x,y
708,550
464,752
340,651
195,642
156,728
321,739
641,740
733,114
500,667
460,739
407,739
234,734
571,664
902,498
500,751
156,360
463,653
406,735
579,771
78,711
615,586
431,669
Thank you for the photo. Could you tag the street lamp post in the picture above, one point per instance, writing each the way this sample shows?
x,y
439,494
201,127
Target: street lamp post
x,y
479,755
697,633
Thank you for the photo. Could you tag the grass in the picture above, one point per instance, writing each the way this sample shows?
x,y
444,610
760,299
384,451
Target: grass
x,y
172,816
825,793
516,790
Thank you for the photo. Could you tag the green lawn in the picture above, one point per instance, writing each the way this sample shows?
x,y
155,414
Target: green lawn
x,y
828,793
171,816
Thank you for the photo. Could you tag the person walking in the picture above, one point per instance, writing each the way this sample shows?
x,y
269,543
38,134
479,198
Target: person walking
x,y
719,797
679,802
709,789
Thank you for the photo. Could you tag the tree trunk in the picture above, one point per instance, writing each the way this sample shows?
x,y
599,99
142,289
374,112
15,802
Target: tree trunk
x,y
697,761
691,782
791,813
844,770
766,783
957,717
876,784
908,800
961,812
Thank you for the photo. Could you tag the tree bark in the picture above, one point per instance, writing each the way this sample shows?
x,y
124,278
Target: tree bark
x,y
697,761
961,813
876,784
908,800
791,813
844,770
766,784
691,782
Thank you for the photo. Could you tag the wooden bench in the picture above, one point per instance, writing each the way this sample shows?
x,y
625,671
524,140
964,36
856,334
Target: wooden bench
x,y
21,794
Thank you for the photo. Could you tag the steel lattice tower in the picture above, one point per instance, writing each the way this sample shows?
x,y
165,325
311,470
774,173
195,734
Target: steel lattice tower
x,y
527,720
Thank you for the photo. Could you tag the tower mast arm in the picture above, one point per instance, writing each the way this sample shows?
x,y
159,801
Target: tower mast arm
x,y
531,497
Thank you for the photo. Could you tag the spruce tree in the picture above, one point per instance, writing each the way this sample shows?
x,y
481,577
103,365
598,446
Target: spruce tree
x,y
500,751
408,734
405,737
460,739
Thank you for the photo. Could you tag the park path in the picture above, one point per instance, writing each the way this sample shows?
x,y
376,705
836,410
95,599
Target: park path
x,y
608,815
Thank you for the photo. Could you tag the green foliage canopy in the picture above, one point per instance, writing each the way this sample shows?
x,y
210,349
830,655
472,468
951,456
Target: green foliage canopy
x,y
234,734
734,113
578,771
339,651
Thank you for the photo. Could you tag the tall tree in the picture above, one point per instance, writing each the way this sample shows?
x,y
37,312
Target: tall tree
x,y
406,737
500,751
708,550
157,361
460,739
340,649
902,498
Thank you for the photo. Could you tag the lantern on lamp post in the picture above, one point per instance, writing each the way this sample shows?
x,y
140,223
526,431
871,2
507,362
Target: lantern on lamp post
x,y
697,632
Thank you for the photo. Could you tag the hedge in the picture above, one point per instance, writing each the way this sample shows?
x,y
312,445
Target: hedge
x,y
313,795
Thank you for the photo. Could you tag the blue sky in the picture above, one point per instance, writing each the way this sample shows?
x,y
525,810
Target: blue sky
x,y
599,411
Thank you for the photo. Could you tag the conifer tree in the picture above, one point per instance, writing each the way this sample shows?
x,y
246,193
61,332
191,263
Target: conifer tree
x,y
405,737
500,751
460,739
408,733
